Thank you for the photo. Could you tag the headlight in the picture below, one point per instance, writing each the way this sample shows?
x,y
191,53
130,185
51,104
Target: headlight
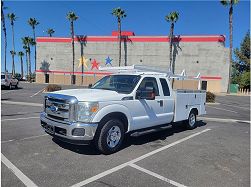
x,y
86,110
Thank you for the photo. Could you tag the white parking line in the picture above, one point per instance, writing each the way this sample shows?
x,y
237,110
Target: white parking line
x,y
112,170
37,92
223,120
21,103
157,175
7,92
35,117
236,106
223,109
27,138
17,172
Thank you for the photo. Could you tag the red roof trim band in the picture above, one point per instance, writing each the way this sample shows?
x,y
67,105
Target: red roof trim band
x,y
219,38
108,73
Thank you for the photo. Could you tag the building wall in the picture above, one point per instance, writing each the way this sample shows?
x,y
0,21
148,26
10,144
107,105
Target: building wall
x,y
209,58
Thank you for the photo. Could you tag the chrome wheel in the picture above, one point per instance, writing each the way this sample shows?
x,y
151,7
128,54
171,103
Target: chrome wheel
x,y
192,119
114,136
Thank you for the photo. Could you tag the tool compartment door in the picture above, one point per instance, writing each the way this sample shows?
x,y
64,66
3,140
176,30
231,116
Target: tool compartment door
x,y
185,100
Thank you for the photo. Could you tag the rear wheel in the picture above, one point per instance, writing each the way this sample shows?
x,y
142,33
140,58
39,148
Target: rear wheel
x,y
10,86
110,136
191,121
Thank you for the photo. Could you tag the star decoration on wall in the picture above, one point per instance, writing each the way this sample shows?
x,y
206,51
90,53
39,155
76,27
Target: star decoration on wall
x,y
83,61
108,61
95,64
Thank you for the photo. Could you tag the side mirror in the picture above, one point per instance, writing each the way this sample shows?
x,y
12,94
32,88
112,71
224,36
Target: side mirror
x,y
90,85
146,93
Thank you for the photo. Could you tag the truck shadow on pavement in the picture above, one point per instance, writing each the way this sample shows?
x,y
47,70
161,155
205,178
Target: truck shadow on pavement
x,y
155,139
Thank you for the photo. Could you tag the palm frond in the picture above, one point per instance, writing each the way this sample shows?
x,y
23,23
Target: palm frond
x,y
20,53
119,12
172,17
71,16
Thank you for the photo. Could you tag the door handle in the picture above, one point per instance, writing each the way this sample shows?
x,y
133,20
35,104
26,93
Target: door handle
x,y
160,102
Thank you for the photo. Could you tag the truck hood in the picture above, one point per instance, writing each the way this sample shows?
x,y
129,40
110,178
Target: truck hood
x,y
92,94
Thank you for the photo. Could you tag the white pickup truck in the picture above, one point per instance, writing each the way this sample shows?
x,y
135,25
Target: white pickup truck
x,y
120,103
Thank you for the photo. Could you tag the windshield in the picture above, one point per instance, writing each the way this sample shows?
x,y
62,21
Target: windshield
x,y
118,83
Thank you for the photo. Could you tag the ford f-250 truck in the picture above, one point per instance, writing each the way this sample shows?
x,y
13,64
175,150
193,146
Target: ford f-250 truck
x,y
120,103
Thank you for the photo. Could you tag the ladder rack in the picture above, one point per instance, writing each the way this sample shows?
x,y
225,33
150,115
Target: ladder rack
x,y
149,70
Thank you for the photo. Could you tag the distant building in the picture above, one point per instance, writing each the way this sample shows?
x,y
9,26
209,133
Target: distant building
x,y
204,54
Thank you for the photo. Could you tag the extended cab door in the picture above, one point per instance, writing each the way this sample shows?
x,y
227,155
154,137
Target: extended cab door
x,y
168,100
147,113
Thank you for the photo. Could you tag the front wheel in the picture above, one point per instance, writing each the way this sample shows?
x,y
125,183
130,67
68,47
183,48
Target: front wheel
x,y
10,86
191,121
110,137
16,86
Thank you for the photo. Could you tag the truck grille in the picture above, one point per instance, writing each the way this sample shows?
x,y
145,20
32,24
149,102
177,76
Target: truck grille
x,y
59,107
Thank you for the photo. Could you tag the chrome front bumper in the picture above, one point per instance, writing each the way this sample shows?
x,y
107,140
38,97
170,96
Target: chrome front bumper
x,y
56,128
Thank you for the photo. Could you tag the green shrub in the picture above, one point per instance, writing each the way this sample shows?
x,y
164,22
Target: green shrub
x,y
53,87
210,97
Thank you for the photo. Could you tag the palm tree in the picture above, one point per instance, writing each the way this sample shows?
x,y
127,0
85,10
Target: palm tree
x,y
119,13
230,3
71,16
13,53
28,42
33,23
50,32
12,17
5,35
172,17
26,58
21,54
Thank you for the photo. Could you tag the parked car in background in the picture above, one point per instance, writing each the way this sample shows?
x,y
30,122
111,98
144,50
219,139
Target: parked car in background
x,y
8,81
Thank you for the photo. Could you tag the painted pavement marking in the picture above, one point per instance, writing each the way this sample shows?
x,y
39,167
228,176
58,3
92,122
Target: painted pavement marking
x,y
223,109
27,138
14,119
223,120
112,170
17,172
21,103
157,175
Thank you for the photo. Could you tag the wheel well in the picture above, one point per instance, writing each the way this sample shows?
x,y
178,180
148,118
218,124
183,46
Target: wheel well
x,y
116,115
195,110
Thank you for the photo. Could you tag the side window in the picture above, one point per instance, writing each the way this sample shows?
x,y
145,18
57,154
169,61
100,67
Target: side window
x,y
165,87
149,81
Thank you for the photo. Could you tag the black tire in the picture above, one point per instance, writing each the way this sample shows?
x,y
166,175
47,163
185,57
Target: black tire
x,y
10,86
16,86
191,121
104,142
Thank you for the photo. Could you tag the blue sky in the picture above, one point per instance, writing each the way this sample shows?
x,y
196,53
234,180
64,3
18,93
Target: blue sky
x,y
143,17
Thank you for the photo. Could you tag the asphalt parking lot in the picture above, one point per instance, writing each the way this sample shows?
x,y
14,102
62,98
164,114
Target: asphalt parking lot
x,y
216,153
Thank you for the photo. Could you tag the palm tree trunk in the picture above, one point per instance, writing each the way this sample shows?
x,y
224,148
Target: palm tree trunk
x,y
5,39
13,65
34,35
73,51
29,64
13,48
27,69
119,29
230,45
22,67
171,47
